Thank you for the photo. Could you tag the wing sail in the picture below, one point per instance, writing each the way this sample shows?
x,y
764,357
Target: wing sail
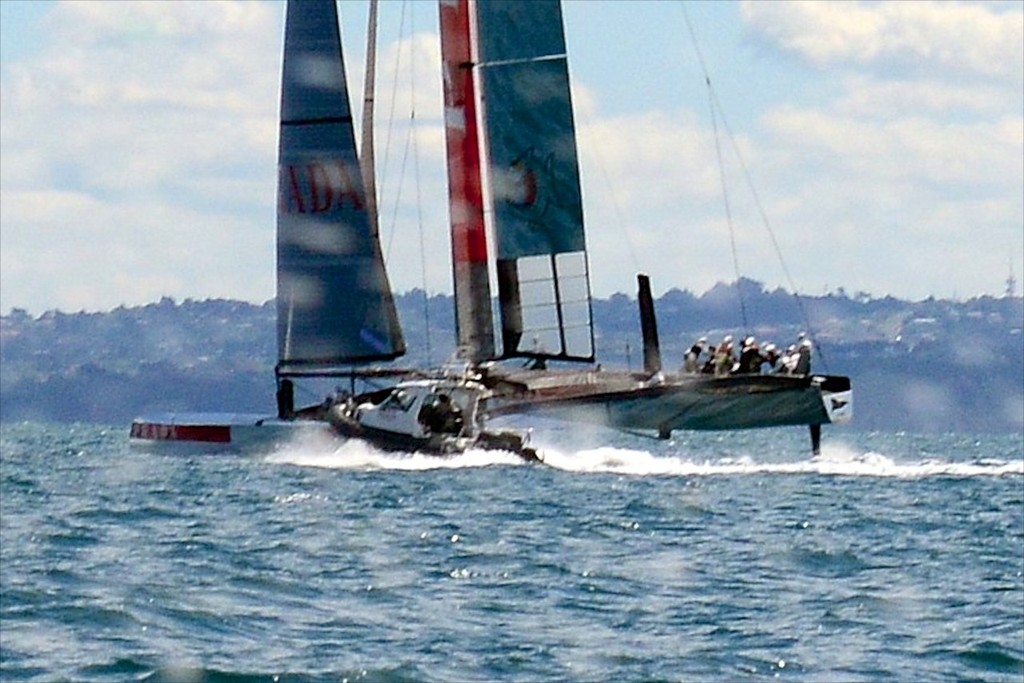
x,y
533,172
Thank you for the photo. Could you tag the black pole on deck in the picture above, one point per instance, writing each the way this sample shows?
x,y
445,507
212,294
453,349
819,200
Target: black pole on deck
x,y
816,439
286,400
648,325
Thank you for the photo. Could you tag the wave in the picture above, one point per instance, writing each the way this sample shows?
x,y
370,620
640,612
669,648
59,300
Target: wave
x,y
835,460
189,674
356,454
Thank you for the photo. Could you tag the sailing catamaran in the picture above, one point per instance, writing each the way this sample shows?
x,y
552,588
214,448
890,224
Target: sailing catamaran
x,y
509,127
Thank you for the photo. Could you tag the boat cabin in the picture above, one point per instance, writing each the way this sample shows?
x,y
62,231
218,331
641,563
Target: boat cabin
x,y
420,408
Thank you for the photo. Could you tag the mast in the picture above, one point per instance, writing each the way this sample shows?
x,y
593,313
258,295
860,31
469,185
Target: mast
x,y
366,148
465,201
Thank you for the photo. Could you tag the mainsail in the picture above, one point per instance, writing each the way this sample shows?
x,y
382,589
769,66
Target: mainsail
x,y
334,302
533,173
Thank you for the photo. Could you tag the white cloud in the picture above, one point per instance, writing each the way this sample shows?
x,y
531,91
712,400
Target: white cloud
x,y
913,159
930,150
79,249
139,145
978,39
871,97
136,145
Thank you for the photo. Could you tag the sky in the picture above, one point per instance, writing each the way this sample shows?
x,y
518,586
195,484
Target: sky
x,y
883,143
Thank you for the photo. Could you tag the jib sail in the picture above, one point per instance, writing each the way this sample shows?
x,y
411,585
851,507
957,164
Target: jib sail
x,y
334,302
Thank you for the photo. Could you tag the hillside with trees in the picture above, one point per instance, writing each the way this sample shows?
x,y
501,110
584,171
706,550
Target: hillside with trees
x,y
927,366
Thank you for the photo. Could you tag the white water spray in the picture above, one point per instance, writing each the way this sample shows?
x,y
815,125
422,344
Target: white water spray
x,y
837,459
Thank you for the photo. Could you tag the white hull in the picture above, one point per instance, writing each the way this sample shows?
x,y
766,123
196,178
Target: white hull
x,y
211,433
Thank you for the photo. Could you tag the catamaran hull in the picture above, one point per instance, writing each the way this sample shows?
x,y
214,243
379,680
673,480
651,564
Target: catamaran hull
x,y
696,403
198,433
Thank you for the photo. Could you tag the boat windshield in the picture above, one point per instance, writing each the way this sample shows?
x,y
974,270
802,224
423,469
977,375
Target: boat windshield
x,y
400,399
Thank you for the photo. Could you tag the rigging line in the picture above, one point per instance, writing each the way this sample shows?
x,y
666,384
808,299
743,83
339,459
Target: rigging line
x,y
398,194
696,45
721,165
523,60
771,233
716,104
419,195
383,175
616,208
728,210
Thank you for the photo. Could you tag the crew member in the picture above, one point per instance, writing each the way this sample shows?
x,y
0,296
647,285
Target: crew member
x,y
435,413
723,358
691,362
772,358
442,415
803,358
787,364
750,357
709,365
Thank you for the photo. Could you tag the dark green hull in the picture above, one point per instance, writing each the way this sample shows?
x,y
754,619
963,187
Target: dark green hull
x,y
683,402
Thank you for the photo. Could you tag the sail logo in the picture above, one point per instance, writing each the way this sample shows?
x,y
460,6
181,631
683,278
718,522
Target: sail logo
x,y
156,432
534,209
320,187
839,406
522,186
524,183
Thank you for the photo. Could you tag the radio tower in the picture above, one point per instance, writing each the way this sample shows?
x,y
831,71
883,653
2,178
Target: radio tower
x,y
1011,283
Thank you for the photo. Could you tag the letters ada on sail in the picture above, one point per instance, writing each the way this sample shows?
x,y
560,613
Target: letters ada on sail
x,y
334,302
335,308
509,129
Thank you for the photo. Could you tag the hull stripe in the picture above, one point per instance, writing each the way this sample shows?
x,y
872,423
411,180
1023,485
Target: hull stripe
x,y
169,432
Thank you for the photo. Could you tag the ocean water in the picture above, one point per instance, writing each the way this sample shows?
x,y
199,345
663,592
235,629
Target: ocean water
x,y
712,557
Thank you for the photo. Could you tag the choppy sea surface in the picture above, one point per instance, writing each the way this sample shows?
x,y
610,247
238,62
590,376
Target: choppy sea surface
x,y
711,557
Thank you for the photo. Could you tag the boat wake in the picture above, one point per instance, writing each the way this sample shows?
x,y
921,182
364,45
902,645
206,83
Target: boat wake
x,y
356,454
836,460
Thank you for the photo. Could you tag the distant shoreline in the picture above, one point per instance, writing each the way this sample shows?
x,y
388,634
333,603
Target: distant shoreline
x,y
928,366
